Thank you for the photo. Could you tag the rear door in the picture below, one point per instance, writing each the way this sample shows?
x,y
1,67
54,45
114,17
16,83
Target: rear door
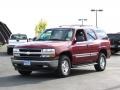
x,y
93,45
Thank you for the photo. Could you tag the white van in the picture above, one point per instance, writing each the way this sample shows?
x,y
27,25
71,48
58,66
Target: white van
x,y
15,39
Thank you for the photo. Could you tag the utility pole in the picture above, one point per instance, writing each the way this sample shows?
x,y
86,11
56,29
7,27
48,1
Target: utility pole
x,y
96,13
82,20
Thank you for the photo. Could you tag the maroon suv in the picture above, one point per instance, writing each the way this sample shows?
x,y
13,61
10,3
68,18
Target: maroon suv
x,y
60,49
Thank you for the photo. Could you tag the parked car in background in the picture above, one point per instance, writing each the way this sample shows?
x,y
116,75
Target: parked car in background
x,y
15,39
115,42
60,49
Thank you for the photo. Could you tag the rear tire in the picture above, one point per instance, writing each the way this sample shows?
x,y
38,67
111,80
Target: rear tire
x,y
101,63
25,73
64,66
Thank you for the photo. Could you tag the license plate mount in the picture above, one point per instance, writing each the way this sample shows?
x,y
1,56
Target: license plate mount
x,y
26,63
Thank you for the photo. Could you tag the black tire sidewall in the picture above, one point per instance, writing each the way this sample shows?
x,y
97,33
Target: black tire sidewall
x,y
62,59
98,66
99,58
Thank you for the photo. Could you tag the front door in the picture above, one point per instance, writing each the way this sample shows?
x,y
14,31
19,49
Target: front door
x,y
80,48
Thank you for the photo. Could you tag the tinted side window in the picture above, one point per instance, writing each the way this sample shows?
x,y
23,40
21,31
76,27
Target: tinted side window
x,y
101,34
80,35
91,35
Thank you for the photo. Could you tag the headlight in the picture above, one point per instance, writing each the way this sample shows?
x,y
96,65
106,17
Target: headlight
x,y
48,50
48,53
15,52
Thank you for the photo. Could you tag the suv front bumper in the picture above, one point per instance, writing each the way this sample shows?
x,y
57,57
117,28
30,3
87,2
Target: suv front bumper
x,y
35,65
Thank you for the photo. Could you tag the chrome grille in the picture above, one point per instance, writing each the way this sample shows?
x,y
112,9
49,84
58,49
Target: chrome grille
x,y
30,52
33,55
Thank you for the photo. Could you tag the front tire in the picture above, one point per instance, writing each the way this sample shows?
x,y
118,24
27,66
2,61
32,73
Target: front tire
x,y
101,63
25,73
8,51
64,66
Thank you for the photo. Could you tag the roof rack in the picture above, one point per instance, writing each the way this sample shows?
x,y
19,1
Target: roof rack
x,y
76,25
79,26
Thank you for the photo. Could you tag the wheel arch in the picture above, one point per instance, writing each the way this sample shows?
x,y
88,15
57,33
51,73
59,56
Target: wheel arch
x,y
104,51
69,54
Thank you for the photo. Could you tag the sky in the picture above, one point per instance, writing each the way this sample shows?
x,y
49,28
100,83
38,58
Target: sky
x,y
21,16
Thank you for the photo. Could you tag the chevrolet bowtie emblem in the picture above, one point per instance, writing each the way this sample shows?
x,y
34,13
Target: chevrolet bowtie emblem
x,y
28,53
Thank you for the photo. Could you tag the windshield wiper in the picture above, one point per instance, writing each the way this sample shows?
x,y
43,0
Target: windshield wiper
x,y
55,39
39,40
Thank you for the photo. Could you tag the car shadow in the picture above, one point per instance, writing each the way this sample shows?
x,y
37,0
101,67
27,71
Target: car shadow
x,y
116,54
17,80
37,77
78,71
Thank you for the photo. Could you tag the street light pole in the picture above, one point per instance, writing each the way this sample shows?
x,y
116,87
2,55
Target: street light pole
x,y
82,20
96,11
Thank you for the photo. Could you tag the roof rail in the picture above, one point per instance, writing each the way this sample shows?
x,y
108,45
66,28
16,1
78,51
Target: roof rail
x,y
78,25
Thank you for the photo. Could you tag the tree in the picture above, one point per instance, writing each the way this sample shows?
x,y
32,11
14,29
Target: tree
x,y
40,27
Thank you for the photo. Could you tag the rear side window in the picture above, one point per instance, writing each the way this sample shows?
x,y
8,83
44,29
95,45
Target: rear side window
x,y
91,35
101,34
18,36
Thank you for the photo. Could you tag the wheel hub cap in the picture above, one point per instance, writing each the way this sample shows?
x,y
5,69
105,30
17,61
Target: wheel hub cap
x,y
65,67
102,62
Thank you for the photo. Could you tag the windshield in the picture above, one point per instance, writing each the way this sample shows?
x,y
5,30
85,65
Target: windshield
x,y
58,34
18,36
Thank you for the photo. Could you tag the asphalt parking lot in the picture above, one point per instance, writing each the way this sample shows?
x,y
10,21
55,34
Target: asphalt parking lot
x,y
82,78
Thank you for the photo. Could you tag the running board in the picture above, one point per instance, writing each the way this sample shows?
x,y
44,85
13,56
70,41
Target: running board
x,y
83,65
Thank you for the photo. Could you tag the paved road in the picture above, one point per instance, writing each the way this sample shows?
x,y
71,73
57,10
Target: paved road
x,y
83,78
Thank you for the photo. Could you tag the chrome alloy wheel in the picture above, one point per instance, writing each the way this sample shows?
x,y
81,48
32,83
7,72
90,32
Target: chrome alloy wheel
x,y
102,62
65,67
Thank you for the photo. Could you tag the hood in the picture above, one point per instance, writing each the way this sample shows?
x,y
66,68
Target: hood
x,y
44,44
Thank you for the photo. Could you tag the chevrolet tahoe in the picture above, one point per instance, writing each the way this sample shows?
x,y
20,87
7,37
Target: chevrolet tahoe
x,y
61,49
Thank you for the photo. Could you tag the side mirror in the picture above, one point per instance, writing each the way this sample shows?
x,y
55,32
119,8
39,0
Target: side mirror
x,y
34,38
74,41
29,39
